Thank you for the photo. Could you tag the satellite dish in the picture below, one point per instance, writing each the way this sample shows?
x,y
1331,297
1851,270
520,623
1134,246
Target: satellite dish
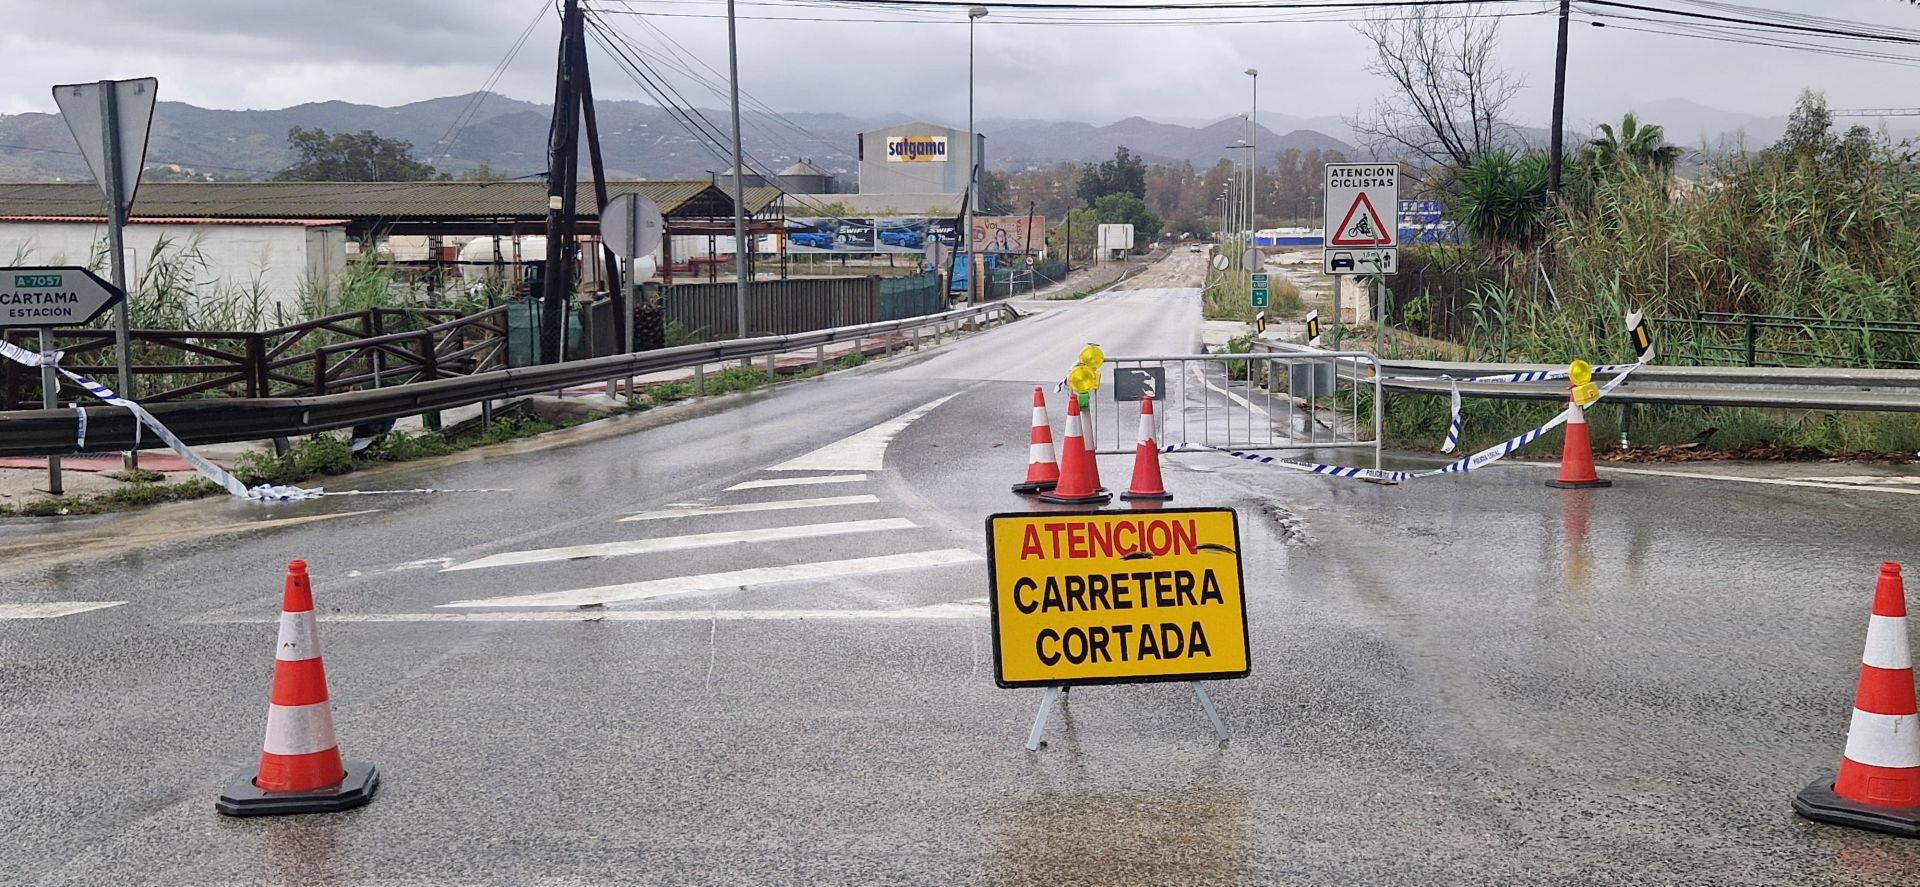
x,y
1221,263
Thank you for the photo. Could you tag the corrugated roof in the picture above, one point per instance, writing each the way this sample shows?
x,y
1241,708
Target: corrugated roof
x,y
163,220
388,200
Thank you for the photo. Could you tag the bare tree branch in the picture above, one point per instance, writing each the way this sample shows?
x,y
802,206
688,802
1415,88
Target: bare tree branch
x,y
1448,97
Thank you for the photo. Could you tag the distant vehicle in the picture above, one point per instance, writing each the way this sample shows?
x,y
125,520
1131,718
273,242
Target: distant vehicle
x,y
1343,261
1194,248
814,239
905,238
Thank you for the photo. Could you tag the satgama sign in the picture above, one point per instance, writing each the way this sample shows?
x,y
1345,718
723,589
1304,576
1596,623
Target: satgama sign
x,y
53,296
916,149
1116,597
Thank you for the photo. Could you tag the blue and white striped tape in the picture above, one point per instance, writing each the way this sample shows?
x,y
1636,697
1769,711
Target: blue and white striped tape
x,y
1480,459
215,473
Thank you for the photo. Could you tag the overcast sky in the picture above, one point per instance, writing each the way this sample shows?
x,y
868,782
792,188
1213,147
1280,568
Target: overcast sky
x,y
274,53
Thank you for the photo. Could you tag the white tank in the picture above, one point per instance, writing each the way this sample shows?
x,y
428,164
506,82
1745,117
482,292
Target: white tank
x,y
480,251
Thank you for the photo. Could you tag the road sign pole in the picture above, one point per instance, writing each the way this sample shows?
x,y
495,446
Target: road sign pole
x,y
116,247
1379,315
50,399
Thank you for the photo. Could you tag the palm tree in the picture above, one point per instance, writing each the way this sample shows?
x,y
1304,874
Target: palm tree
x,y
1633,143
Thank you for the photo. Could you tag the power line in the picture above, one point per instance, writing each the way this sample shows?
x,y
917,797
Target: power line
x,y
472,109
1820,30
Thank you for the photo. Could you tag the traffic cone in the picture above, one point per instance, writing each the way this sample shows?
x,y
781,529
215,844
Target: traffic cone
x,y
1078,484
1042,470
1146,460
300,769
1878,786
1576,455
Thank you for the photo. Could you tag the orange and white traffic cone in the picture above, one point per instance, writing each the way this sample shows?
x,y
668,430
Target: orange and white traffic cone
x,y
1043,471
1878,786
1576,455
1078,485
1146,461
300,768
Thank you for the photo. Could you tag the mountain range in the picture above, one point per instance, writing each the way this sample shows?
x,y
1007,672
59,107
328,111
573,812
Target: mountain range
x,y
458,133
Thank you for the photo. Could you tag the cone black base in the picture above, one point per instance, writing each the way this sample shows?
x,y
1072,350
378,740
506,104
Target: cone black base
x,y
243,798
1100,498
1579,485
1818,802
1029,489
1132,496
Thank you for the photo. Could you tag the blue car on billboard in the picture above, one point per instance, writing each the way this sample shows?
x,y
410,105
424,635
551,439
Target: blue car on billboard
x,y
905,238
814,239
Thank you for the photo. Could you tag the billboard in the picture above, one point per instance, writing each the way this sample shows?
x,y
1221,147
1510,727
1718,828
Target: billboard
x,y
1118,237
866,236
1008,234
916,149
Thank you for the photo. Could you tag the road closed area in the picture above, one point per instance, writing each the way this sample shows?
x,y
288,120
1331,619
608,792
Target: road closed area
x,y
756,646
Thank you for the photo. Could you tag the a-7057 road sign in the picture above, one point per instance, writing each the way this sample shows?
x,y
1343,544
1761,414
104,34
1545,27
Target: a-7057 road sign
x,y
48,296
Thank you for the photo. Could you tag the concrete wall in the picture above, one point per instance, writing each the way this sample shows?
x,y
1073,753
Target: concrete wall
x,y
282,259
881,176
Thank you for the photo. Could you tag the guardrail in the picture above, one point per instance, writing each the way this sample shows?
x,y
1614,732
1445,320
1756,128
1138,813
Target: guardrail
x,y
1786,388
111,429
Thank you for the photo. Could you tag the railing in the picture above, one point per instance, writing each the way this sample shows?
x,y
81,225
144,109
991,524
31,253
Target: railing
x,y
181,364
1263,400
40,432
460,347
1758,340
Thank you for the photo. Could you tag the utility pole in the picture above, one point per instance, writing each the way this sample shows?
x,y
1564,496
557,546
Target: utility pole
x,y
742,251
556,281
1557,146
974,14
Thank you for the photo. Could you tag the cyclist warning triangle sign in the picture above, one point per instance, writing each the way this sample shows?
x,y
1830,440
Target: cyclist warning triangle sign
x,y
1362,226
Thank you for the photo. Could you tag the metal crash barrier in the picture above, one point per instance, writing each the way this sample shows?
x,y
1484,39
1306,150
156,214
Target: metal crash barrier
x,y
1304,399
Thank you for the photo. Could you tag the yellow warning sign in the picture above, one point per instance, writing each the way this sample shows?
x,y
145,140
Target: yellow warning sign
x,y
1110,597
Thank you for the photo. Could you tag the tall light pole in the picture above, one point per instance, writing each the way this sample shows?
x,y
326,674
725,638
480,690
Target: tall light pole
x,y
1253,153
974,14
742,252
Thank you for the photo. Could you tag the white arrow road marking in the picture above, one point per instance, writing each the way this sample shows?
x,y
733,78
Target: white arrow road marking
x,y
865,451
53,609
798,481
677,543
659,588
957,610
697,510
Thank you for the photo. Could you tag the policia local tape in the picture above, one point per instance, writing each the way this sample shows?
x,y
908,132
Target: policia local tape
x,y
1478,460
226,480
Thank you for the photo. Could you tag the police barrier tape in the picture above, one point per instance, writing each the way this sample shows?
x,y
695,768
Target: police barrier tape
x,y
1455,421
263,492
1478,460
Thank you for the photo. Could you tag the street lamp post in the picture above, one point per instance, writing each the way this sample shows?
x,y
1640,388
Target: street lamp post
x,y
1253,155
974,14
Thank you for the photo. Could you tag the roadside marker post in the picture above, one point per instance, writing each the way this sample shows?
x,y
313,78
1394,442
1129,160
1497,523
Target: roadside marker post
x,y
1102,597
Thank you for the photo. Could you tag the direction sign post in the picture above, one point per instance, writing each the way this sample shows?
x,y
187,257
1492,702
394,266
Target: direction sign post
x,y
47,297
1261,293
631,226
110,121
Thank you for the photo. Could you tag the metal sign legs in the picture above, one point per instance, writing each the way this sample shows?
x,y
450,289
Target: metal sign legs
x,y
1056,694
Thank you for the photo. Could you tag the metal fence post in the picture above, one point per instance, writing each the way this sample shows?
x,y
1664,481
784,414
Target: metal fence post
x,y
1749,342
820,357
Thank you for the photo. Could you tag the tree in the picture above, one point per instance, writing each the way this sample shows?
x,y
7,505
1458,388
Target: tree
x,y
1632,144
996,198
1501,197
1124,174
1129,209
350,157
481,173
1448,101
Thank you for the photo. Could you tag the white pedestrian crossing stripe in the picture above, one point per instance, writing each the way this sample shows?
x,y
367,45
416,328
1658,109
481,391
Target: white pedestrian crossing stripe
x,y
678,543
865,451
658,588
695,510
798,481
53,609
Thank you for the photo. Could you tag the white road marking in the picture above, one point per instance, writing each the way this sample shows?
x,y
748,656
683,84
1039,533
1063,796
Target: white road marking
x,y
677,543
865,451
659,588
1819,484
1873,480
696,510
960,610
798,481
53,609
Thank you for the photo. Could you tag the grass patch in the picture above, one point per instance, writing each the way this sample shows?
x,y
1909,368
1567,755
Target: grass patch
x,y
851,359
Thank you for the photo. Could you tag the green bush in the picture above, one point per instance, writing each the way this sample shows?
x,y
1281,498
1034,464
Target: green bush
x,y
745,378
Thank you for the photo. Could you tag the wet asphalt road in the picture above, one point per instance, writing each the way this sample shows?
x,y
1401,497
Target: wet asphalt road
x,y
1468,680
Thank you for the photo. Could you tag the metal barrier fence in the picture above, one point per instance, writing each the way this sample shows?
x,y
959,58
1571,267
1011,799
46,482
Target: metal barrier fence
x,y
1304,400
